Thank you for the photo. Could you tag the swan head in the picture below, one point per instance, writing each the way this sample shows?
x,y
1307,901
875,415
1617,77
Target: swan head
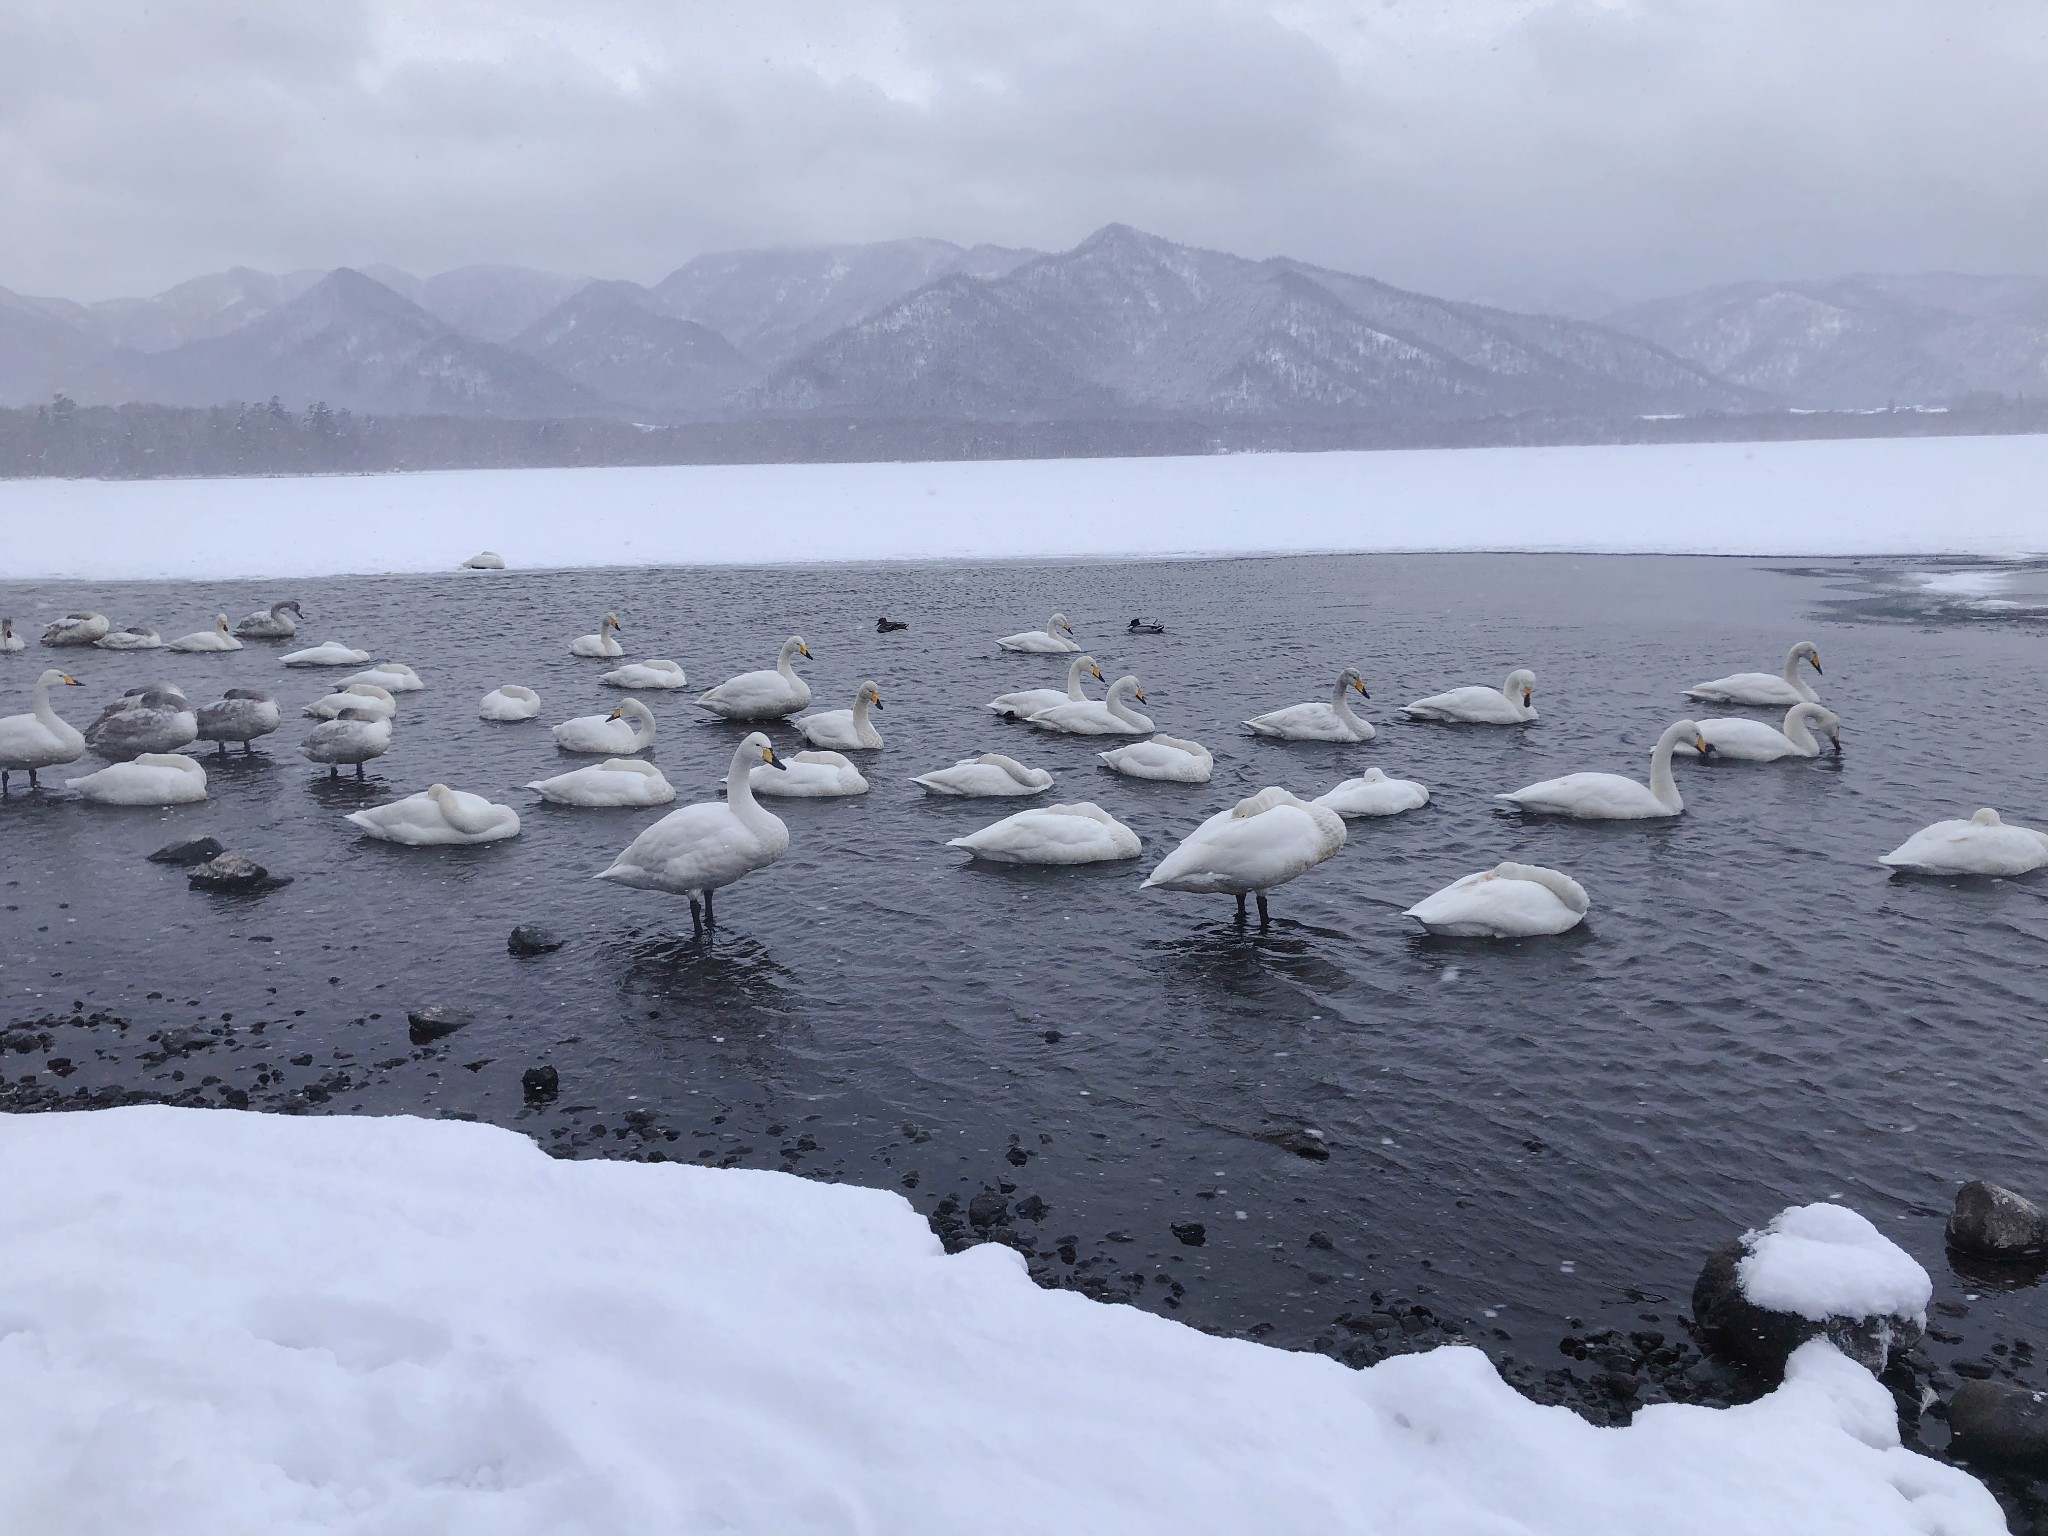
x,y
758,743
1828,721
1058,621
1522,681
871,692
359,714
53,678
291,603
1350,678
1986,818
220,622
6,629
611,621
1094,670
1808,652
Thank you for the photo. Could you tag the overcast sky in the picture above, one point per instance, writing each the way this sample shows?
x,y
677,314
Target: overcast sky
x,y
1560,152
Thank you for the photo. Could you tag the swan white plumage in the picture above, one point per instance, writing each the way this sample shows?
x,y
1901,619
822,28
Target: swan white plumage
x,y
768,694
208,640
1510,704
1083,833
239,714
508,703
1509,901
1169,758
1028,702
1612,796
626,730
1110,715
154,778
156,718
810,776
438,817
80,628
602,644
41,738
1263,841
280,621
1373,793
1333,721
134,638
485,560
987,777
1765,689
845,730
1736,740
1983,845
1058,635
353,736
646,674
329,653
701,848
615,781
9,640
391,675
368,700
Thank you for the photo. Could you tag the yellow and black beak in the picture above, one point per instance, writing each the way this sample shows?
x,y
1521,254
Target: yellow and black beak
x,y
875,699
1816,665
1701,745
617,714
74,682
768,756
807,653
1359,684
1141,695
1098,674
1527,694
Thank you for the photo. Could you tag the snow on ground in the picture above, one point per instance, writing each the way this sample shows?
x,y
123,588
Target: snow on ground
x,y
1947,495
221,1323
1823,1260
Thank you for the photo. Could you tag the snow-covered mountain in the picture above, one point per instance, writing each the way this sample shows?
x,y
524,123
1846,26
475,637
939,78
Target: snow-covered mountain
x,y
612,339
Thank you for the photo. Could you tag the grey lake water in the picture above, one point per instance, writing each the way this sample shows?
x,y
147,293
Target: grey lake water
x,y
1526,1143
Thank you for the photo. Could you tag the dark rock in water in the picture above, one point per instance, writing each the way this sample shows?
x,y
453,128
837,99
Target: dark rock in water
x,y
1192,1233
1996,1421
1991,1222
540,1084
435,1021
1302,1143
232,871
1762,1340
1031,1208
189,850
987,1208
528,939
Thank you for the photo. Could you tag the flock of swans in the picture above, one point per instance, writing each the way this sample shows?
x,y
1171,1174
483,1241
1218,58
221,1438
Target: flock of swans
x,y
1245,850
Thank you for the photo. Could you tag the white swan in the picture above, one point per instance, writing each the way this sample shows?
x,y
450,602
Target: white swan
x,y
701,848
368,700
1509,901
1023,705
329,653
154,778
987,777
626,730
1610,796
134,638
765,695
1764,689
80,628
615,781
1262,841
157,718
602,644
353,736
1510,704
646,674
1372,793
1983,845
438,816
1110,715
280,621
1083,833
1163,757
207,640
41,738
485,560
846,730
239,714
1333,721
1753,741
508,703
1058,635
391,675
9,640
811,776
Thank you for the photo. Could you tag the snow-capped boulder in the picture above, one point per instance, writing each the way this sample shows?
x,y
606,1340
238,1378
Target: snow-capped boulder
x,y
1991,1222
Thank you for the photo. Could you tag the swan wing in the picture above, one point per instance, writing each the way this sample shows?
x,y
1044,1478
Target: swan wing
x,y
1607,796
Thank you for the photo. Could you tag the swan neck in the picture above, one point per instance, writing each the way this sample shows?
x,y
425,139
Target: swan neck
x,y
1340,701
1074,689
1119,705
1662,784
860,709
458,815
739,791
44,713
1796,731
643,723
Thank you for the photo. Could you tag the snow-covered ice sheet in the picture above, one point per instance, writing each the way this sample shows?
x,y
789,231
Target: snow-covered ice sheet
x,y
222,1323
1920,496
1824,1260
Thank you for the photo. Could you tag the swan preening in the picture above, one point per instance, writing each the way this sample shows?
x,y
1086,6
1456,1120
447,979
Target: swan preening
x,y
239,714
1372,793
1263,841
438,816
41,738
846,730
1163,757
987,777
627,729
1058,635
616,781
134,638
156,718
1509,901
280,621
1765,689
353,736
154,778
1333,721
507,703
1753,741
1110,715
1510,704
9,640
1610,796
81,628
601,645
1053,834
1983,845
367,699
809,776
701,848
1028,702
768,694
329,653
646,674
214,639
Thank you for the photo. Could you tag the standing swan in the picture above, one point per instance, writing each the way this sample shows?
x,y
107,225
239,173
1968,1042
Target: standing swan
x,y
154,778
1023,705
280,621
1263,841
1164,757
1610,796
1764,689
1509,901
240,714
768,694
214,639
601,644
846,730
1111,715
1752,741
1983,845
611,734
40,738
508,703
1333,721
1058,635
353,736
1083,833
987,777
1511,704
436,817
697,849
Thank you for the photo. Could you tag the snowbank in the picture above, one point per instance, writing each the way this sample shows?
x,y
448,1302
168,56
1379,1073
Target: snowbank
x,y
1950,495
1823,1260
222,1323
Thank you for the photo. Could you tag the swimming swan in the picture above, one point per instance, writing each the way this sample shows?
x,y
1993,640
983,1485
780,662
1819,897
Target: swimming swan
x,y
154,778
508,703
1764,689
157,718
1058,635
1333,721
484,560
1754,741
9,640
240,714
1262,841
1510,704
701,848
40,738
1163,757
436,817
1372,793
987,777
645,674
810,776
391,675
1983,845
1111,715
214,639
1083,833
626,730
1509,901
134,638
353,736
280,621
601,644
1025,704
765,695
615,781
80,628
368,700
1610,796
329,653
846,730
